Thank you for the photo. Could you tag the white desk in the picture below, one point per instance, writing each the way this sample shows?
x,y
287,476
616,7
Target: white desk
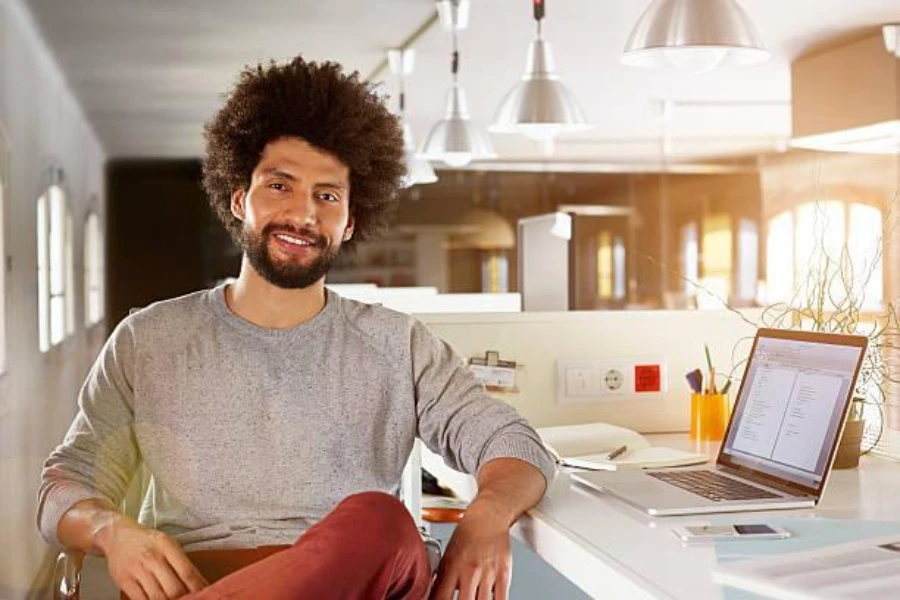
x,y
612,551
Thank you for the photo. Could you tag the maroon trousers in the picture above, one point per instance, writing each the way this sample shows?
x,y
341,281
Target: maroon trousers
x,y
367,547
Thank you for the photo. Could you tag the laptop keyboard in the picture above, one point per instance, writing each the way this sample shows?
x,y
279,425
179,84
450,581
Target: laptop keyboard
x,y
713,486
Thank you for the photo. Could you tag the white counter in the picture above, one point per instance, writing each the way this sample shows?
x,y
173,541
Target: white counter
x,y
610,550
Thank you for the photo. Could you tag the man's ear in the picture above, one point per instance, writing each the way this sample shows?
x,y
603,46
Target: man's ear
x,y
348,230
237,204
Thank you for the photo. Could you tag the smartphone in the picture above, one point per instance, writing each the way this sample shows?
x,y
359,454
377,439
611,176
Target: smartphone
x,y
693,534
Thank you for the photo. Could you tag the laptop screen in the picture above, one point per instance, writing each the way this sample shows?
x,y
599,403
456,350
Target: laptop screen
x,y
790,408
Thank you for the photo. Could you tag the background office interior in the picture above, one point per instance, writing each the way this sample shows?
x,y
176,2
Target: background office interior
x,y
686,178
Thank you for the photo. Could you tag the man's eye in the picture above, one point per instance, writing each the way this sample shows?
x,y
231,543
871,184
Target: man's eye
x,y
277,186
328,197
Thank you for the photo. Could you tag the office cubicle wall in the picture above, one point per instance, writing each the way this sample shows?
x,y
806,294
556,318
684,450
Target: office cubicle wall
x,y
421,300
544,278
537,340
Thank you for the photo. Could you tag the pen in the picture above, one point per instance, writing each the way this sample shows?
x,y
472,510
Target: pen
x,y
617,452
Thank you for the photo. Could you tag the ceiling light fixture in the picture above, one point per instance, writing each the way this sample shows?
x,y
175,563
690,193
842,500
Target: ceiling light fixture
x,y
454,14
878,138
694,36
539,106
418,170
455,140
866,120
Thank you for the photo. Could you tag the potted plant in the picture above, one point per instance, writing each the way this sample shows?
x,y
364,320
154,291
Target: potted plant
x,y
831,298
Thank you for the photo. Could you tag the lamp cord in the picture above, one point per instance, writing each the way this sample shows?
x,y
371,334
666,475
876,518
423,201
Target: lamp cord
x,y
539,11
454,57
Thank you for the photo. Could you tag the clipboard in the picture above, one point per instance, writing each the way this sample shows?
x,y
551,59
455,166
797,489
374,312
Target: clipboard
x,y
496,374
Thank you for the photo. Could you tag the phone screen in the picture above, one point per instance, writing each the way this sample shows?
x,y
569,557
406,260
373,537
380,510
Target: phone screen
x,y
713,530
753,529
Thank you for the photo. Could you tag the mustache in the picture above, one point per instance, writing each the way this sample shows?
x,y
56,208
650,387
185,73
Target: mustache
x,y
318,241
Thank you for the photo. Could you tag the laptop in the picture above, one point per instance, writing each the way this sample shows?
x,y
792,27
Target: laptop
x,y
780,442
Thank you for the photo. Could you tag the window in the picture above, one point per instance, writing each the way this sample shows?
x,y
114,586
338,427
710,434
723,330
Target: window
x,y
780,259
604,266
838,240
865,252
494,272
748,255
717,260
69,289
610,267
619,268
56,310
2,287
691,259
94,270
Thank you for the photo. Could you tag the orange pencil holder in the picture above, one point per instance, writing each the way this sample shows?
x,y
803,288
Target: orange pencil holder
x,y
709,416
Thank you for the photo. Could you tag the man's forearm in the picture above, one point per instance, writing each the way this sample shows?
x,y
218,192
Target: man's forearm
x,y
84,526
507,487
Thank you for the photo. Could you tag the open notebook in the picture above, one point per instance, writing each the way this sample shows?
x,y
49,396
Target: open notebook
x,y
586,446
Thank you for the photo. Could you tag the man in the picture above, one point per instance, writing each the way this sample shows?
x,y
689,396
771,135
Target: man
x,y
274,414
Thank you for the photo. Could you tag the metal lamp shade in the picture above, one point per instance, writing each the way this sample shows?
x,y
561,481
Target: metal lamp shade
x,y
418,170
455,139
539,105
454,14
694,35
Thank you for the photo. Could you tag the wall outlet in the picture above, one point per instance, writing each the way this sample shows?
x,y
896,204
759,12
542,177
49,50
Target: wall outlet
x,y
613,381
604,380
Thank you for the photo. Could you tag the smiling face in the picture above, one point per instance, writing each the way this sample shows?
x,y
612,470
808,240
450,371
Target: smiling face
x,y
295,214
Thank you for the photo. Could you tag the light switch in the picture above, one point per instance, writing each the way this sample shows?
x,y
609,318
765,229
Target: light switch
x,y
582,382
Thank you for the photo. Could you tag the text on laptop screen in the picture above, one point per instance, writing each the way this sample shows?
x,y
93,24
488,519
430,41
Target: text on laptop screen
x,y
791,407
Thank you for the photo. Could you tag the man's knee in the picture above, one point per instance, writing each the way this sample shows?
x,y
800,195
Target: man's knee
x,y
383,516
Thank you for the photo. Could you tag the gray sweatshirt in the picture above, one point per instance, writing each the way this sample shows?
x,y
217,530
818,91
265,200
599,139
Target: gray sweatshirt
x,y
253,434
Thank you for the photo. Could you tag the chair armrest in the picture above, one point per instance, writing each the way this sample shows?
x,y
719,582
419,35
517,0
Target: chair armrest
x,y
67,576
432,549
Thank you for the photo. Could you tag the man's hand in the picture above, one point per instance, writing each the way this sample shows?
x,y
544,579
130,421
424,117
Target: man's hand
x,y
146,564
477,562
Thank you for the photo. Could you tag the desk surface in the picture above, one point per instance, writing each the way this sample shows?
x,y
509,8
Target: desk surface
x,y
611,550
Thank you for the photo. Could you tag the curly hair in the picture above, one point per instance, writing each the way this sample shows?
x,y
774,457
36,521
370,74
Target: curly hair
x,y
318,102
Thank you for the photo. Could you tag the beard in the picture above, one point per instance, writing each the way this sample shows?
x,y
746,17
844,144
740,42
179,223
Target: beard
x,y
287,274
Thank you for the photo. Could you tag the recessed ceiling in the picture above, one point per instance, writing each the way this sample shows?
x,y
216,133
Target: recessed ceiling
x,y
149,74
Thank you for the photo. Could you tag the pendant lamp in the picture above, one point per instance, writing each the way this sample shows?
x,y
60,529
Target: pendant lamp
x,y
539,106
454,14
455,140
694,36
418,170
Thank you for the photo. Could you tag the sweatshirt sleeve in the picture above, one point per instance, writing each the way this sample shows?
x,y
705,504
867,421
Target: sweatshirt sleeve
x,y
99,454
459,420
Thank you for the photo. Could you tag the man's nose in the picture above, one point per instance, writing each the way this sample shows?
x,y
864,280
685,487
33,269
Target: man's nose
x,y
303,208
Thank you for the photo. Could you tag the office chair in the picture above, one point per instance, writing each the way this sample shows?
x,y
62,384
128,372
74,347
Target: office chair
x,y
66,583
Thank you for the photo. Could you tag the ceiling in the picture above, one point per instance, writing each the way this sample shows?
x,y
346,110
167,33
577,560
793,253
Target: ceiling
x,y
149,74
